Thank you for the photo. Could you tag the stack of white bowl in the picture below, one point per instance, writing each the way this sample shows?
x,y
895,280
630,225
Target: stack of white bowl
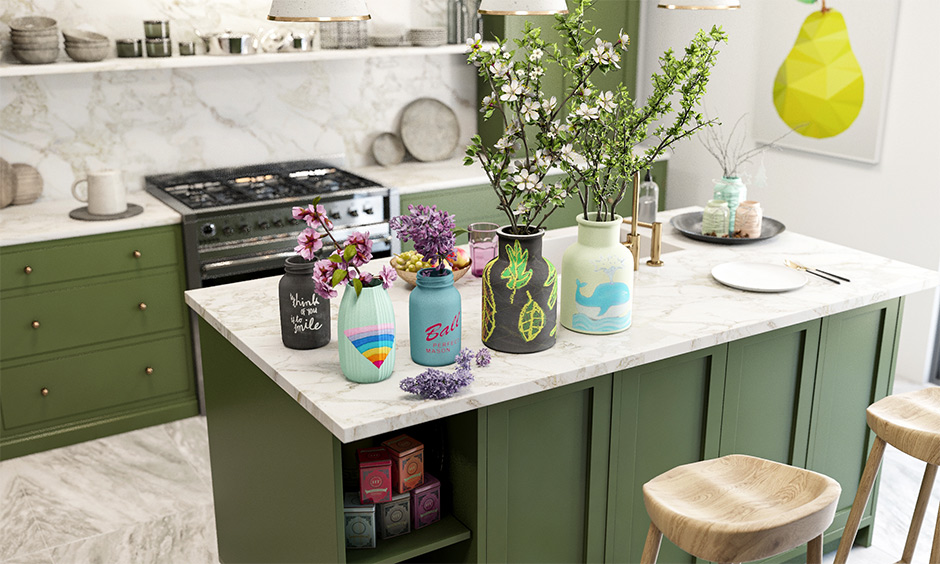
x,y
428,36
86,46
35,39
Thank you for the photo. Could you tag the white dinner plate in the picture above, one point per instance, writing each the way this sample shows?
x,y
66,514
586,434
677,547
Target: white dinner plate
x,y
758,277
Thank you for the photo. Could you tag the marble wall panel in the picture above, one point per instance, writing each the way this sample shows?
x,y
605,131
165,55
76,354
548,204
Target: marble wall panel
x,y
148,122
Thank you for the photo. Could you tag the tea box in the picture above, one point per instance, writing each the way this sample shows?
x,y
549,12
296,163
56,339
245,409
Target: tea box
x,y
426,503
394,517
375,475
358,522
407,462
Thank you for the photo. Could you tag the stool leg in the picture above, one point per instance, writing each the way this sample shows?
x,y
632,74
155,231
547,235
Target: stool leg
x,y
651,549
918,519
935,550
861,500
814,551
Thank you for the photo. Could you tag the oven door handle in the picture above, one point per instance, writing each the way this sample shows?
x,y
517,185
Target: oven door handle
x,y
210,266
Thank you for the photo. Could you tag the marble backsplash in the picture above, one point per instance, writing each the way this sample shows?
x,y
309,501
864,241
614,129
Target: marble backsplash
x,y
156,121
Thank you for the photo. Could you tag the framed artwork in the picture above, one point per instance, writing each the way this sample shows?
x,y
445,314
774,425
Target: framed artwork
x,y
826,75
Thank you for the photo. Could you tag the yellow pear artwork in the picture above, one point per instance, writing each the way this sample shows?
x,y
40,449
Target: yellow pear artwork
x,y
819,88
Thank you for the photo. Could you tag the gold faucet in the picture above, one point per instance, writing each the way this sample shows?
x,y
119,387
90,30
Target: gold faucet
x,y
633,238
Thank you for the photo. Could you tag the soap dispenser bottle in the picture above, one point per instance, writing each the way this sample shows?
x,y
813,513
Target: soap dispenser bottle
x,y
648,199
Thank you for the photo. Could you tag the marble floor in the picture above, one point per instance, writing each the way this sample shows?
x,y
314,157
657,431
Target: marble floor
x,y
146,496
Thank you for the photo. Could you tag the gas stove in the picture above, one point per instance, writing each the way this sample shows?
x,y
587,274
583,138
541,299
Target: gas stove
x,y
237,222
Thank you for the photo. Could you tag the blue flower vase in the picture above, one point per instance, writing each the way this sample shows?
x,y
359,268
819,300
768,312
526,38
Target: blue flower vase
x,y
366,333
434,318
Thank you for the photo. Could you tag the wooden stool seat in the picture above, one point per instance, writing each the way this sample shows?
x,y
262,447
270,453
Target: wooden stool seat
x,y
739,508
909,422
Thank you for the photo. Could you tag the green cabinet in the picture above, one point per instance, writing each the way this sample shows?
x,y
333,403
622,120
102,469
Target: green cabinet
x,y
94,338
546,475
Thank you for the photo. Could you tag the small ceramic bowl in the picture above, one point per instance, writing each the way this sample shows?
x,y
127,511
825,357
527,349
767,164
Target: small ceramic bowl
x,y
27,182
18,35
36,56
86,53
31,23
41,42
412,277
79,36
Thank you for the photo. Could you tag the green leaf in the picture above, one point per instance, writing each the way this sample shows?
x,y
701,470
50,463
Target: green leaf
x,y
349,252
357,284
338,276
336,258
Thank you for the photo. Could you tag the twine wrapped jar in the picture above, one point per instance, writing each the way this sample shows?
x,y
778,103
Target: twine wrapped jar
x,y
748,219
715,218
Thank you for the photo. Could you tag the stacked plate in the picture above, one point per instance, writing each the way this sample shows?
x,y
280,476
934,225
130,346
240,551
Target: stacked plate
x,y
86,46
428,36
35,39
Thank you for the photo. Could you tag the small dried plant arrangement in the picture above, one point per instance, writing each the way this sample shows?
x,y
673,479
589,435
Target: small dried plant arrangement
x,y
729,151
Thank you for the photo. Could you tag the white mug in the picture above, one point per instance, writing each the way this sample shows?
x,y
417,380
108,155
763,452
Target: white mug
x,y
105,194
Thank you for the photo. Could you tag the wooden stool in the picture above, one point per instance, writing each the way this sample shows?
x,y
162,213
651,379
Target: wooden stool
x,y
911,423
739,508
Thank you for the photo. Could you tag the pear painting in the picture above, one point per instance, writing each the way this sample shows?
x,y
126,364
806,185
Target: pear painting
x,y
819,88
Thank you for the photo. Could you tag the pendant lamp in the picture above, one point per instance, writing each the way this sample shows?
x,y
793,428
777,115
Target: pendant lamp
x,y
700,4
522,7
318,10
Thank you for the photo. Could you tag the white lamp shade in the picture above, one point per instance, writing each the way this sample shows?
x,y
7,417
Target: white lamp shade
x,y
318,10
523,7
700,4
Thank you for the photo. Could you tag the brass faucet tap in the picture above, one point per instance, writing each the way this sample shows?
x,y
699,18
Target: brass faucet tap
x,y
633,238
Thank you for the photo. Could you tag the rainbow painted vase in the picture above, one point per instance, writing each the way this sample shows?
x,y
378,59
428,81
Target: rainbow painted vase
x,y
366,333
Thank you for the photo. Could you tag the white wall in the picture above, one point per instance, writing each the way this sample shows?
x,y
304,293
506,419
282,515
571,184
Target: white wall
x,y
891,208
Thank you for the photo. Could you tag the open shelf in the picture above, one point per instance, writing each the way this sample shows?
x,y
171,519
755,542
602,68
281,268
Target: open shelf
x,y
445,532
66,66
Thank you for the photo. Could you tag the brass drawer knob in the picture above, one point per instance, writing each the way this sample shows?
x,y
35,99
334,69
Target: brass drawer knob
x,y
148,370
136,254
28,269
35,324
142,306
44,392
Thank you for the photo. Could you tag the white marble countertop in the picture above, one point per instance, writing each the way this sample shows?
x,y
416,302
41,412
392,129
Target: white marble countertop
x,y
48,220
679,308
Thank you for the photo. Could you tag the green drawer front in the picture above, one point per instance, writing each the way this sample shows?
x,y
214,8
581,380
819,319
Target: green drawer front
x,y
90,314
74,259
86,383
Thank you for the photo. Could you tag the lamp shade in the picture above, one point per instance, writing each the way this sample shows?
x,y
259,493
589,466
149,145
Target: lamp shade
x,y
700,4
523,7
318,10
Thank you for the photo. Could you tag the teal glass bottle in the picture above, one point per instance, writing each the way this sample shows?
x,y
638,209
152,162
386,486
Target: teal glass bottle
x,y
434,318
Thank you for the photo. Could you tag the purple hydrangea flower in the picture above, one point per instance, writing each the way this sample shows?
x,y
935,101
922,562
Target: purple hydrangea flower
x,y
432,231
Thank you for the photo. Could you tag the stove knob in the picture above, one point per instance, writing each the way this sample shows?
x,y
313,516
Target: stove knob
x,y
245,228
227,230
208,230
278,223
263,225
336,215
368,210
353,212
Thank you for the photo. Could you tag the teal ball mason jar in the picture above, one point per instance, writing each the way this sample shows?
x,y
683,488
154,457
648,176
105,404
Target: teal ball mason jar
x,y
434,318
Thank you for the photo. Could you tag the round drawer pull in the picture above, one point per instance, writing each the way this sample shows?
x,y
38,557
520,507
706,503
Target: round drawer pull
x,y
28,269
136,254
142,306
35,324
44,392
148,371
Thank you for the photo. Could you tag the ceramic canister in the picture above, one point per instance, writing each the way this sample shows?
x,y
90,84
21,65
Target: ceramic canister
x,y
366,334
715,218
434,318
732,190
597,279
748,219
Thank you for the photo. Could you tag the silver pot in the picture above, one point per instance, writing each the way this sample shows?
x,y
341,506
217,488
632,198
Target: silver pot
x,y
230,43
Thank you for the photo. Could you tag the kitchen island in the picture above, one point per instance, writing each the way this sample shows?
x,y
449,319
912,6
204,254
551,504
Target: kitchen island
x,y
542,457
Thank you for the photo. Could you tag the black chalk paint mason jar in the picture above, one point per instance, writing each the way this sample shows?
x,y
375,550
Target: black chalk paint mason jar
x,y
305,316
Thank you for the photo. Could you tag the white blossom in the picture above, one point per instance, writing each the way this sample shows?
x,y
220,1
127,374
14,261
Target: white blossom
x,y
550,104
603,53
536,55
605,100
536,72
530,110
488,102
542,159
624,40
567,153
526,181
504,144
474,43
511,91
587,112
499,69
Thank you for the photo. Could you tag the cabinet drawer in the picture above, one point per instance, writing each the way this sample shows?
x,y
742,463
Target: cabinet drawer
x,y
73,317
27,266
89,382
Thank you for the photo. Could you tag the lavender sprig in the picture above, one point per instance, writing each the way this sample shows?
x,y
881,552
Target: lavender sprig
x,y
437,384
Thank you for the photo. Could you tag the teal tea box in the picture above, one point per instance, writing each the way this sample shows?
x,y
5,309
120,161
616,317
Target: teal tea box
x,y
394,517
358,522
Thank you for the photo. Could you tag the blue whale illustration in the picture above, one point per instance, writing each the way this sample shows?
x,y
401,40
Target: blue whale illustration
x,y
605,296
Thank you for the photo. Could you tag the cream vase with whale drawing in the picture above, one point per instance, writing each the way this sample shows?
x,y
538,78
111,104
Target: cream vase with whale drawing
x,y
597,279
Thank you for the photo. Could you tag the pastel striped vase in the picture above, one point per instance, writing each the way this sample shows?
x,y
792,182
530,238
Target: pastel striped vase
x,y
366,334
